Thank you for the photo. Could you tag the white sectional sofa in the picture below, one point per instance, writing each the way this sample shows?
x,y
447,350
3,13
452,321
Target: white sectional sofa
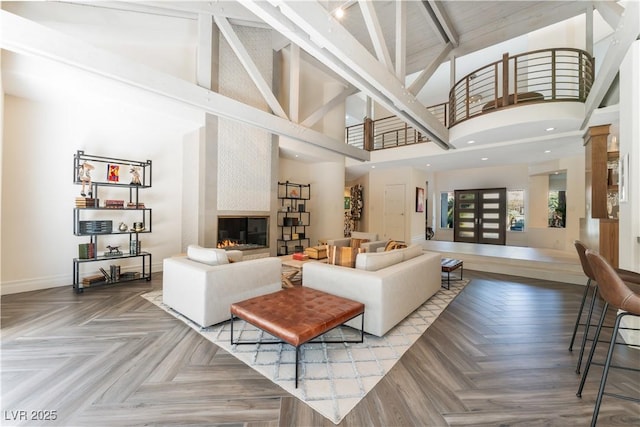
x,y
391,284
203,284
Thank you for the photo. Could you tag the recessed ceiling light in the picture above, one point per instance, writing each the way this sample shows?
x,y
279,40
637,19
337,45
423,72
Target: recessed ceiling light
x,y
549,129
484,158
296,156
339,13
547,151
471,142
373,167
428,164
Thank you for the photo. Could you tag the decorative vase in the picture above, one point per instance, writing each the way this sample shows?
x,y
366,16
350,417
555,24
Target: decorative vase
x,y
123,227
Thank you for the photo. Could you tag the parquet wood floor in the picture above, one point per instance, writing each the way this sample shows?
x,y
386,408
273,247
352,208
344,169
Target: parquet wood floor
x,y
496,357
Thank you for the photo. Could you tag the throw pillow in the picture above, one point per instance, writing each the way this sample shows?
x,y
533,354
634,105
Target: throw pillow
x,y
344,256
394,244
355,243
210,256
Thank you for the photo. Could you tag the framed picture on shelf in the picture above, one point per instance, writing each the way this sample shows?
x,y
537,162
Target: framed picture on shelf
x,y
347,202
293,192
419,199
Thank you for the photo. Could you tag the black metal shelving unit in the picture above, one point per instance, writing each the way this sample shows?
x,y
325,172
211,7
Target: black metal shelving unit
x,y
293,217
90,178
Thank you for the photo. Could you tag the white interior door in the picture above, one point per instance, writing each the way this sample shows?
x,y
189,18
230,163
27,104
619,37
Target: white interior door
x,y
394,212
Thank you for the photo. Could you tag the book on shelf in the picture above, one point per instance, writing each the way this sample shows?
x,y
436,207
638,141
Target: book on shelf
x,y
106,275
86,281
86,250
133,205
114,272
114,204
86,202
300,256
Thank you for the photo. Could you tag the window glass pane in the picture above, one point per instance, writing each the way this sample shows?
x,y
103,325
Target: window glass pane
x,y
466,225
466,234
490,196
491,216
515,210
470,196
466,215
446,209
490,235
490,206
490,225
467,205
557,208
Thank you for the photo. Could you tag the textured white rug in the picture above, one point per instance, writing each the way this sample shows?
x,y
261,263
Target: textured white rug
x,y
333,378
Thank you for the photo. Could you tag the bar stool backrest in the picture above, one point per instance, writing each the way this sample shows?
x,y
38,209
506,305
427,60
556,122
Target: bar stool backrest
x,y
610,285
586,268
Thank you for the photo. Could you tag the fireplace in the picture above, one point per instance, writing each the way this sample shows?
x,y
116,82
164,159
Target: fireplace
x,y
243,232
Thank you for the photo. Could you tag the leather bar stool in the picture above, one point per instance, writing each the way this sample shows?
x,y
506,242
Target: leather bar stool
x,y
586,268
617,294
630,277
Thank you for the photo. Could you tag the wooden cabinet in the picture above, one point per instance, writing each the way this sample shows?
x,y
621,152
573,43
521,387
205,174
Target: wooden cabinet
x,y
601,195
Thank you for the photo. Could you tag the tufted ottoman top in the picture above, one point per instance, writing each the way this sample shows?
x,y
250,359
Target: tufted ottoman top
x,y
297,315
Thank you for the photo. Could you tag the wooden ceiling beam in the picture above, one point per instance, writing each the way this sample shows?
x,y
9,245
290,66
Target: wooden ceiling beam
x,y
310,26
625,34
375,33
26,37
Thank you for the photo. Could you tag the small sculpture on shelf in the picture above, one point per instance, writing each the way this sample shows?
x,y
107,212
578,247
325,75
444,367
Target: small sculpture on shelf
x,y
113,251
84,176
135,175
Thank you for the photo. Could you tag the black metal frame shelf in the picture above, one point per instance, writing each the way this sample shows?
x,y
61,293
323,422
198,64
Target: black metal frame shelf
x,y
103,227
293,206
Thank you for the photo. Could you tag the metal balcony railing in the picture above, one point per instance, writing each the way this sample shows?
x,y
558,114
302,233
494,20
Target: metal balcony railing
x,y
547,75
390,131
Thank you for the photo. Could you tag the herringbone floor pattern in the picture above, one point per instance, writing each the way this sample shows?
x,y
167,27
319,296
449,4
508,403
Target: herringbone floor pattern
x,y
496,357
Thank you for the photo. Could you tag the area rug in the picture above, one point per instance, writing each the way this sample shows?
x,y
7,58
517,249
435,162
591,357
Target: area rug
x,y
333,378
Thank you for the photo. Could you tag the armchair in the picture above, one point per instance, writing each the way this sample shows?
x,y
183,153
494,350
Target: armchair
x,y
203,284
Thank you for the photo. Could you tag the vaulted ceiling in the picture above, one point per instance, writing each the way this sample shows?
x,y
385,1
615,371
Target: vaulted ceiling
x,y
376,45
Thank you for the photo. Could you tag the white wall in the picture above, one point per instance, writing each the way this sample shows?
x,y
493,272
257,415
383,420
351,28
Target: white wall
x,y
374,201
517,177
630,145
38,192
327,188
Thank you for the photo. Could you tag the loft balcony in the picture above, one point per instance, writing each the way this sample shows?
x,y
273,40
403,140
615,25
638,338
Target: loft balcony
x,y
541,76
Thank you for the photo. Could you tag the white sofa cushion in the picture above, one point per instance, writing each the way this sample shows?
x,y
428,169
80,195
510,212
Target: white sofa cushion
x,y
210,256
374,261
234,255
411,252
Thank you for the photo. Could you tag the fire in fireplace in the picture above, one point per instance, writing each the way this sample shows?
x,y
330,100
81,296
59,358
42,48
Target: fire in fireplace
x,y
243,232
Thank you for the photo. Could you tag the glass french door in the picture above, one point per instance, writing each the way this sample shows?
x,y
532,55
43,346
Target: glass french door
x,y
480,216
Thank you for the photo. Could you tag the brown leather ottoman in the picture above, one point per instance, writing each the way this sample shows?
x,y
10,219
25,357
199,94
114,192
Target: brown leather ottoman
x,y
297,315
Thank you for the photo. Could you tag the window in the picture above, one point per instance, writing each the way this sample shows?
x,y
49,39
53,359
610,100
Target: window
x,y
515,210
446,209
557,200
